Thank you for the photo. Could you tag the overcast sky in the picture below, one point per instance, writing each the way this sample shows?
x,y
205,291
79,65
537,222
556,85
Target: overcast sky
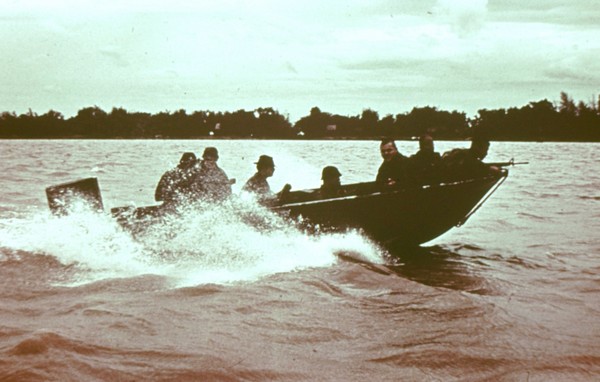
x,y
342,56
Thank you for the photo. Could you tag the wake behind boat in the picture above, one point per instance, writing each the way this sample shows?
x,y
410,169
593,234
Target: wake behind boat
x,y
408,215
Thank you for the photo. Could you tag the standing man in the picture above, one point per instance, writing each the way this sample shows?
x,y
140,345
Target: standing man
x,y
258,182
393,169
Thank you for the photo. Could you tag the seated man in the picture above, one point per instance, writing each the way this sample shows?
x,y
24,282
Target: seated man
x,y
210,182
331,186
174,185
258,182
460,164
393,169
422,167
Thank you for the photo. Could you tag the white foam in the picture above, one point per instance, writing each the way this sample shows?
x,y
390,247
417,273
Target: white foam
x,y
92,241
237,241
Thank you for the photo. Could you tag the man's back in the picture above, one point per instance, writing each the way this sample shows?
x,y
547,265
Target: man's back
x,y
423,167
211,183
174,185
458,164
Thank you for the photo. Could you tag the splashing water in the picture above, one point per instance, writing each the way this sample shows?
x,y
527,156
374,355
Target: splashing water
x,y
92,241
234,241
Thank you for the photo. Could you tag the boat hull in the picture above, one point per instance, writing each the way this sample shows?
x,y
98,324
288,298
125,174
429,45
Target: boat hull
x,y
407,216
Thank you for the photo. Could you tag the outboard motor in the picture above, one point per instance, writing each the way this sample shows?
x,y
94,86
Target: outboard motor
x,y
62,195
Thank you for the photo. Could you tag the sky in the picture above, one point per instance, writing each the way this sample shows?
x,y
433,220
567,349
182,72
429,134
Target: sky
x,y
341,56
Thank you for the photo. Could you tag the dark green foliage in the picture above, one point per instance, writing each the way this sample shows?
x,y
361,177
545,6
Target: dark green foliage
x,y
541,120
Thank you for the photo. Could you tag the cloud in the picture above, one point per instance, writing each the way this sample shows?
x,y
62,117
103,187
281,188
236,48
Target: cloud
x,y
114,56
578,13
465,16
580,69
154,55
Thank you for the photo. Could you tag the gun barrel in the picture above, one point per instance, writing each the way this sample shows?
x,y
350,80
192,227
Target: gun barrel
x,y
506,164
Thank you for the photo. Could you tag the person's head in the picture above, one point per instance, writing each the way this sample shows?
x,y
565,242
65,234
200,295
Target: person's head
x,y
426,143
210,153
210,156
187,160
388,149
265,165
480,146
331,175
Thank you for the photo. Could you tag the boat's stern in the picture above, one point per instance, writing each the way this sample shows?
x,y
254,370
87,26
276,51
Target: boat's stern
x,y
62,196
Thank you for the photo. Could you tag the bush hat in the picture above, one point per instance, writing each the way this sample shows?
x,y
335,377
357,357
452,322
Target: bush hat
x,y
265,161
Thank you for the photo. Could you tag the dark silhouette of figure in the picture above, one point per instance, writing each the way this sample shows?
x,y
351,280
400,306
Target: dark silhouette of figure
x,y
459,164
424,165
393,169
258,183
174,185
331,186
210,183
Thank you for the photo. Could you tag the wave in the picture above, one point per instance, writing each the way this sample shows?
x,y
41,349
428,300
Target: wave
x,y
59,174
541,195
587,197
98,170
49,355
531,216
235,241
42,341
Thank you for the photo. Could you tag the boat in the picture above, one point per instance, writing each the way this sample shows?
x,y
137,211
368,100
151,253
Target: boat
x,y
407,216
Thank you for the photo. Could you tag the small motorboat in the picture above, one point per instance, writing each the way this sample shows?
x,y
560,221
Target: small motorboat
x,y
408,215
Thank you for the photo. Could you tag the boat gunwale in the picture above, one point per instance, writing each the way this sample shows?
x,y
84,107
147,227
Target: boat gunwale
x,y
282,205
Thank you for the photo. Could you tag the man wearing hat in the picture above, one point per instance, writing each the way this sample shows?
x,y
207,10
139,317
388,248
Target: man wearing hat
x,y
210,182
258,182
331,186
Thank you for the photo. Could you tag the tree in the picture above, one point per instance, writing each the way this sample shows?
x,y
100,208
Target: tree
x,y
369,118
567,105
314,125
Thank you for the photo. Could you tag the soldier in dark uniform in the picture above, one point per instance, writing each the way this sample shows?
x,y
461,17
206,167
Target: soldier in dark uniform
x,y
174,185
460,164
331,186
393,169
210,183
424,165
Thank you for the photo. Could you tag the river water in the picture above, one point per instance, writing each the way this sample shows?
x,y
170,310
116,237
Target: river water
x,y
513,295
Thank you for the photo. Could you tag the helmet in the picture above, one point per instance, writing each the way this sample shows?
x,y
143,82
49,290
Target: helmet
x,y
330,172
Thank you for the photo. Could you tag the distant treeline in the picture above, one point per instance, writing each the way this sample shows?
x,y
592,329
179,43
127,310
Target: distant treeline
x,y
542,120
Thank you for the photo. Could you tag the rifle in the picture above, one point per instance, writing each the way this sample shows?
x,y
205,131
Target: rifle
x,y
511,162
